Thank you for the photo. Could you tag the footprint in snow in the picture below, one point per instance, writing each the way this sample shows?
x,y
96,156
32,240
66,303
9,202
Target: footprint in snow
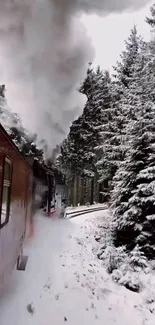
x,y
77,274
30,308
57,297
47,286
104,291
92,271
92,305
79,241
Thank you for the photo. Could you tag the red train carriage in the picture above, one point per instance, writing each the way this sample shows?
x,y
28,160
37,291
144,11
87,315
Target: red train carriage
x,y
15,205
23,184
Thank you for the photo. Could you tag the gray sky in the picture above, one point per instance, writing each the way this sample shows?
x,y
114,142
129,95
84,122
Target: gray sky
x,y
108,33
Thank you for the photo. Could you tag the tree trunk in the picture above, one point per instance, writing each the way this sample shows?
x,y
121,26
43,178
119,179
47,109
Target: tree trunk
x,y
82,190
49,194
74,191
100,195
92,191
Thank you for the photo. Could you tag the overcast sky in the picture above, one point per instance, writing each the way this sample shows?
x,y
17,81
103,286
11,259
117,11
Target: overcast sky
x,y
108,33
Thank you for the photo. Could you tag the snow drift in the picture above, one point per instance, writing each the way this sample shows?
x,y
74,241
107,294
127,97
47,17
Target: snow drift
x,y
44,56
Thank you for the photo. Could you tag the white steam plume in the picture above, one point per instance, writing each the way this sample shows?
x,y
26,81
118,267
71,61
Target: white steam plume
x,y
44,53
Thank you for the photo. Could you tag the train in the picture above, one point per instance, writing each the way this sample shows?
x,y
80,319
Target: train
x,y
23,184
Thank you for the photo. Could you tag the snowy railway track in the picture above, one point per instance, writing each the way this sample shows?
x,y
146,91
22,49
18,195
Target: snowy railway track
x,y
80,212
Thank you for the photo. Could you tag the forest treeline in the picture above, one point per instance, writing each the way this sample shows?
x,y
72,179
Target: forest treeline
x,y
109,154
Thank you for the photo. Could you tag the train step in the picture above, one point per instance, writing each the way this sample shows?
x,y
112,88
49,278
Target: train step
x,y
22,262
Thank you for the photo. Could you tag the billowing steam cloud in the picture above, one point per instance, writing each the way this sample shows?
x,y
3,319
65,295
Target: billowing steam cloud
x,y
44,53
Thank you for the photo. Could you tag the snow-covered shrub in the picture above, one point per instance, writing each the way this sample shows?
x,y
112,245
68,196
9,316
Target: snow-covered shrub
x,y
117,275
125,267
131,281
137,258
112,264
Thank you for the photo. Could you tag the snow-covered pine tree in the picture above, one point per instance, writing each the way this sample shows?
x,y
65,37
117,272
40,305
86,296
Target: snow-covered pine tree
x,y
135,209
151,20
149,81
92,125
114,133
75,146
134,189
105,129
2,91
124,68
92,120
137,90
86,87
110,150
116,144
83,135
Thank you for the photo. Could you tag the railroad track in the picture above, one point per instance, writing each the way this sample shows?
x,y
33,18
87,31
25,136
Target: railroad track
x,y
84,211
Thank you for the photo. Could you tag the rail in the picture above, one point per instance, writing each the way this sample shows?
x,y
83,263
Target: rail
x,y
80,212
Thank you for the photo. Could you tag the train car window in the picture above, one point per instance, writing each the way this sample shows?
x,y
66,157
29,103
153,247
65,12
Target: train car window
x,y
6,191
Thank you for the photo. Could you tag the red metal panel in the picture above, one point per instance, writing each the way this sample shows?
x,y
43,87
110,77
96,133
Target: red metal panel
x,y
12,234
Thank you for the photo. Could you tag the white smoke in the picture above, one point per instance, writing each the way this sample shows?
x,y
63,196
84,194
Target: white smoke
x,y
44,54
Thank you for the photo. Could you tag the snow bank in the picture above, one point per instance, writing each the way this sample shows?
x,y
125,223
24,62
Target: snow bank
x,y
131,270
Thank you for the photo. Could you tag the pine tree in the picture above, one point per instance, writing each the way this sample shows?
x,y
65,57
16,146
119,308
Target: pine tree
x,y
134,182
92,121
82,137
114,129
135,211
109,151
151,20
87,85
135,179
124,68
114,132
78,151
2,91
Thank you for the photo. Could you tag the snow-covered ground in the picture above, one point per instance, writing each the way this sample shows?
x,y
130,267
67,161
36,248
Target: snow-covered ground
x,y
65,282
